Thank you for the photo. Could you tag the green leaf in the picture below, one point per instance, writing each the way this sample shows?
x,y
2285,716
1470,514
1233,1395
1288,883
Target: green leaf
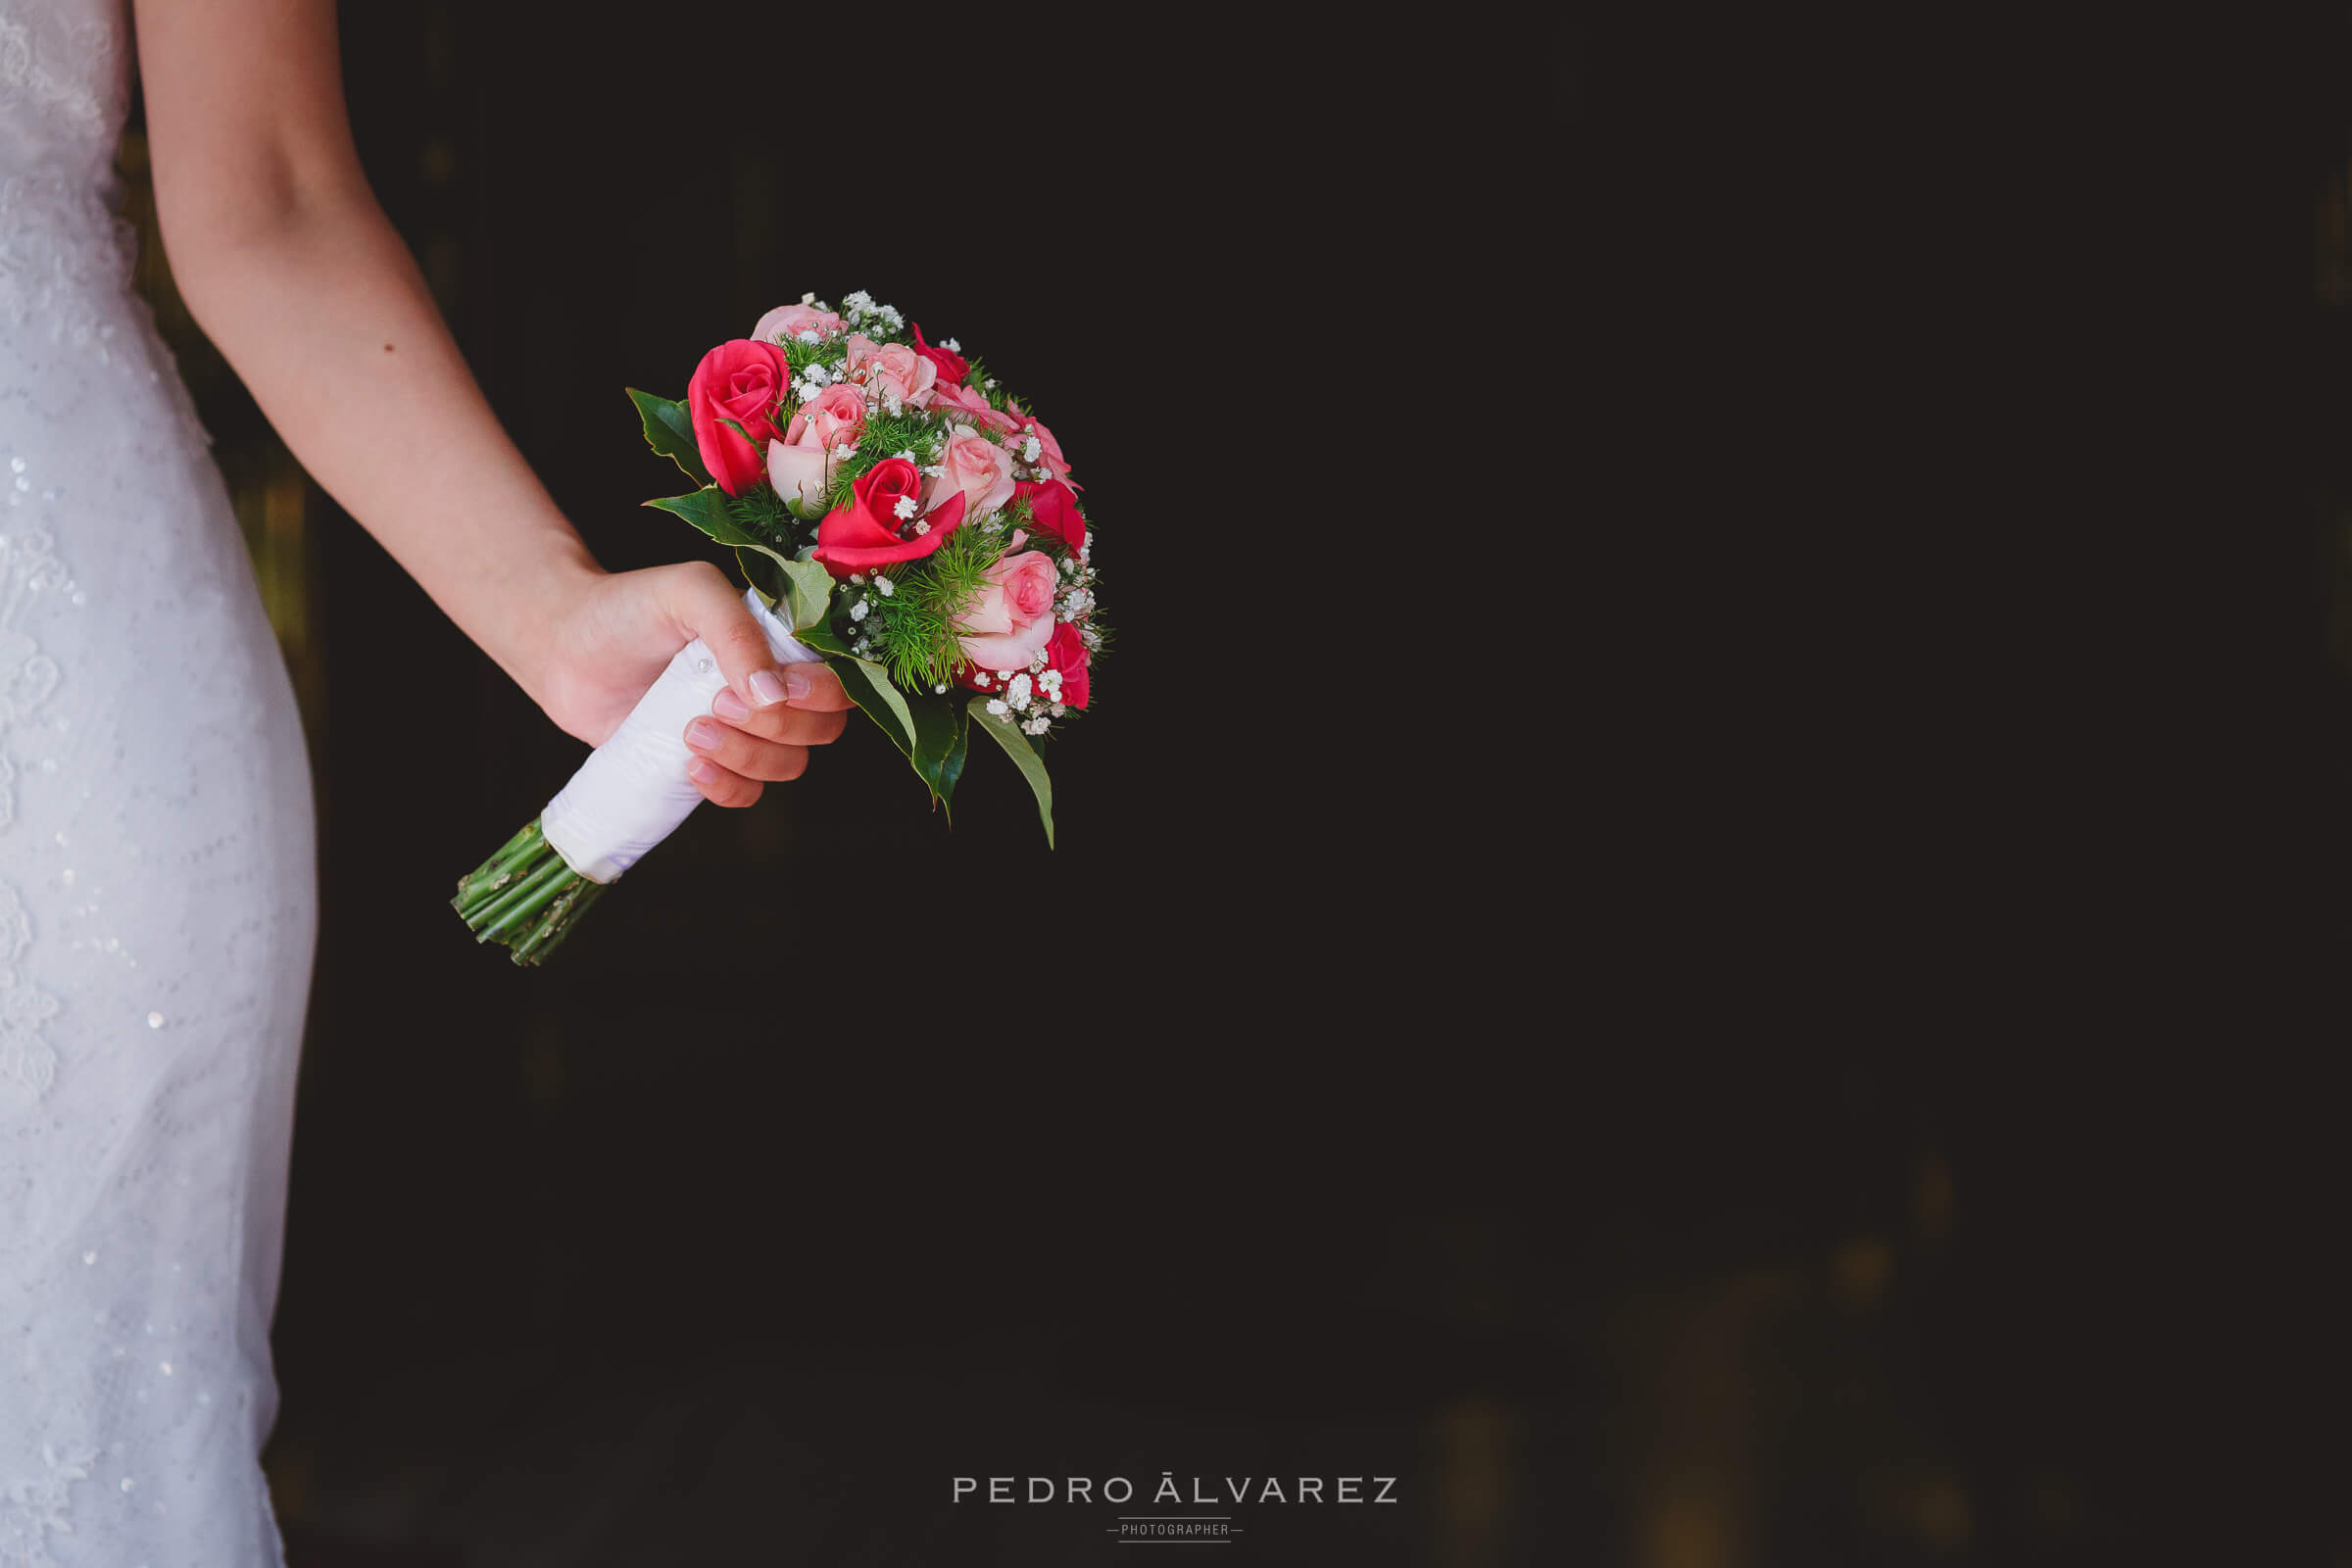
x,y
764,574
707,510
1032,766
870,689
669,431
820,637
941,743
810,591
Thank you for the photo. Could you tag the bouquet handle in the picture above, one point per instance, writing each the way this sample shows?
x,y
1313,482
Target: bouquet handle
x,y
632,792
630,795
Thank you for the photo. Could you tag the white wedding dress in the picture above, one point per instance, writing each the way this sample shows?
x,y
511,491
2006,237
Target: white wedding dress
x,y
157,901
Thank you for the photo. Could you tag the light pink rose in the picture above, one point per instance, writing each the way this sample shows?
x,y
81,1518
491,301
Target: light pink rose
x,y
801,471
892,368
791,320
799,464
835,417
977,466
971,405
1012,619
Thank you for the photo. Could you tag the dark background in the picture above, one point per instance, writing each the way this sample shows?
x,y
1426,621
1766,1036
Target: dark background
x,y
1680,919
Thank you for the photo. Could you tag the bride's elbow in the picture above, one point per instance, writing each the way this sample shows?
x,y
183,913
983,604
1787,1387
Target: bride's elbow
x,y
224,223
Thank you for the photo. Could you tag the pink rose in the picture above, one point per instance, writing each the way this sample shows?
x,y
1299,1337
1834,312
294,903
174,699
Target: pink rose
x,y
742,381
791,320
1012,619
974,465
801,463
971,405
1049,449
890,370
834,417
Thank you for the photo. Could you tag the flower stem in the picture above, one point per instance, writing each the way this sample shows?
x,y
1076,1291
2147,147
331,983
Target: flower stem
x,y
496,876
530,896
549,932
524,896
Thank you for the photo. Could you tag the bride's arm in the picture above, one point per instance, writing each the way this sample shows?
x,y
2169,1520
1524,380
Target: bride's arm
x,y
291,267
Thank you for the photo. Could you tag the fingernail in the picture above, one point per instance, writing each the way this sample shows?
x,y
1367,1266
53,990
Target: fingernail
x,y
729,706
766,690
702,772
795,683
701,732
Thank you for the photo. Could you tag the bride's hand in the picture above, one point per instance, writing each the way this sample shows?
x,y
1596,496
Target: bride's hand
x,y
610,640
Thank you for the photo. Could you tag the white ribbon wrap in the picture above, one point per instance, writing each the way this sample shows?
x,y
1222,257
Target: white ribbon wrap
x,y
632,792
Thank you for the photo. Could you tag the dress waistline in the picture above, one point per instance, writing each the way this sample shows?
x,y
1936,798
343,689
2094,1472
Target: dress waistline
x,y
65,258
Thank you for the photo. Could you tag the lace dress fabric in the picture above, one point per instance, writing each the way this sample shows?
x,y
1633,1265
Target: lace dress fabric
x,y
157,905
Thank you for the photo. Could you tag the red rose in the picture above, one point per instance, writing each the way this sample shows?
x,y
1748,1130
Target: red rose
x,y
1067,653
869,531
1054,511
741,380
952,367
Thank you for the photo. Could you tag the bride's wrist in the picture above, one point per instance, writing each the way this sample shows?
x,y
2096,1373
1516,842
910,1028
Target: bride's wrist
x,y
544,608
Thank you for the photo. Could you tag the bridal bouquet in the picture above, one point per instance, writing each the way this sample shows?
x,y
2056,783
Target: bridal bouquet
x,y
900,516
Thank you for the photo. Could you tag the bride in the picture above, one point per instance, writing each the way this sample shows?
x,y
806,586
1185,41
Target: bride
x,y
156,886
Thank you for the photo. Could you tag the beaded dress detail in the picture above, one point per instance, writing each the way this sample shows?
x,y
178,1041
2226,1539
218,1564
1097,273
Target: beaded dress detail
x,y
157,903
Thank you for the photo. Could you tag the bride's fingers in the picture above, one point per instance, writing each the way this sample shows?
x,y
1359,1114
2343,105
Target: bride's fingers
x,y
815,688
747,754
720,787
701,602
790,722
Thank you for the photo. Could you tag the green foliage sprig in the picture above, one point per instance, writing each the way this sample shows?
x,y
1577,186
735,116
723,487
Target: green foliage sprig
x,y
977,379
760,512
912,628
886,435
